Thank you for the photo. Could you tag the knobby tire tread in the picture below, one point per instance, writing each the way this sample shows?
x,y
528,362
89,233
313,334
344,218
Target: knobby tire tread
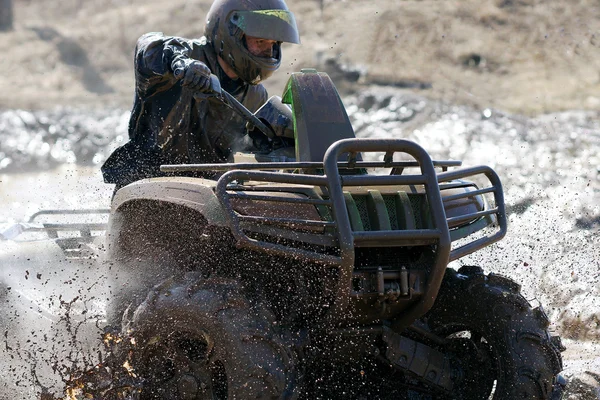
x,y
528,358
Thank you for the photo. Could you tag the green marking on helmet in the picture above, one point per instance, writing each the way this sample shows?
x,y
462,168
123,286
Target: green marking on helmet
x,y
281,14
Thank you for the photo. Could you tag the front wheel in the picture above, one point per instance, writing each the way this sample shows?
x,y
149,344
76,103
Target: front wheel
x,y
500,343
204,340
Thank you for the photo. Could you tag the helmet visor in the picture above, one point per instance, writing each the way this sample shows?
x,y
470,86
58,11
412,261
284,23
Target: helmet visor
x,y
278,25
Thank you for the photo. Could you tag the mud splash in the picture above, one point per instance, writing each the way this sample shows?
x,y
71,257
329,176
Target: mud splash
x,y
52,313
549,167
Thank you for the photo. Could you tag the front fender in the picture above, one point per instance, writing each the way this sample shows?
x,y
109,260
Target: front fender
x,y
194,193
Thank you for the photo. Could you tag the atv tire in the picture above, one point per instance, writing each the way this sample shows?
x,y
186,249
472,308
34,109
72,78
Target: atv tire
x,y
501,343
204,340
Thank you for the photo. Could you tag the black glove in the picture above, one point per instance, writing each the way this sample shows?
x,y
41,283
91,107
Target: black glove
x,y
193,73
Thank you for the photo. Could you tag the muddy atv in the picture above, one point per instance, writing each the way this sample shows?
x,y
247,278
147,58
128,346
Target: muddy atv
x,y
320,270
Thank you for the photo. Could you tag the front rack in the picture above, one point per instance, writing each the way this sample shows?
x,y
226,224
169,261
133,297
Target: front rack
x,y
332,228
292,165
338,230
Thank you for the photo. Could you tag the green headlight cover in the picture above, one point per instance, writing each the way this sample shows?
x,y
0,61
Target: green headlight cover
x,y
279,25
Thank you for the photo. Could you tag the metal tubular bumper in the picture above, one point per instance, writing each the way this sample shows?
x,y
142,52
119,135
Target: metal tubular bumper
x,y
346,239
428,178
498,211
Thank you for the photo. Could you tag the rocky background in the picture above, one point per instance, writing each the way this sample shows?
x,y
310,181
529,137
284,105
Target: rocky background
x,y
524,56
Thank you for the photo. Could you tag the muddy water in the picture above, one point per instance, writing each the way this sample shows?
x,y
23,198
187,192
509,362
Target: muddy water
x,y
549,166
52,307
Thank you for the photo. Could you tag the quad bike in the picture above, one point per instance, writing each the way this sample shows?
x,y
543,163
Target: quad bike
x,y
320,270
309,273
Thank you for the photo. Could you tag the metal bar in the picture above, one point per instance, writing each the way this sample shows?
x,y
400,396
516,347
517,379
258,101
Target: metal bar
x,y
469,248
467,194
83,228
286,221
375,238
68,212
249,196
332,182
499,211
20,228
409,242
469,217
445,163
68,227
270,248
429,180
453,185
50,229
276,177
375,180
245,113
296,165
463,173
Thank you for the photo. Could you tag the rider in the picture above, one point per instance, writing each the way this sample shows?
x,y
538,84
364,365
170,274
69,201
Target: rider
x,y
171,121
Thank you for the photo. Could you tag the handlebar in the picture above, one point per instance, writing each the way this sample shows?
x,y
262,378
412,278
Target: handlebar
x,y
230,101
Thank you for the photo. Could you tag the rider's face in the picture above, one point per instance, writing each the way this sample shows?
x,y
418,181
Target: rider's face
x,y
260,47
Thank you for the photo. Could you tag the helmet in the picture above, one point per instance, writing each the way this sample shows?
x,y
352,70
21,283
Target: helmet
x,y
229,21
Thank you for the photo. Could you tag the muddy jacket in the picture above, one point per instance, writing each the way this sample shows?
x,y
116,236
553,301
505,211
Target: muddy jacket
x,y
170,123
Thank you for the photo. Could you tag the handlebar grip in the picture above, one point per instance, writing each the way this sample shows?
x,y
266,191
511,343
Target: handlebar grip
x,y
215,84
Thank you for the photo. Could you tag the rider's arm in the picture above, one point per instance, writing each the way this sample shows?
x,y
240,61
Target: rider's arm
x,y
161,61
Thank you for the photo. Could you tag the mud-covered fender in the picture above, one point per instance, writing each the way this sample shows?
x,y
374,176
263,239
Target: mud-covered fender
x,y
165,212
192,193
